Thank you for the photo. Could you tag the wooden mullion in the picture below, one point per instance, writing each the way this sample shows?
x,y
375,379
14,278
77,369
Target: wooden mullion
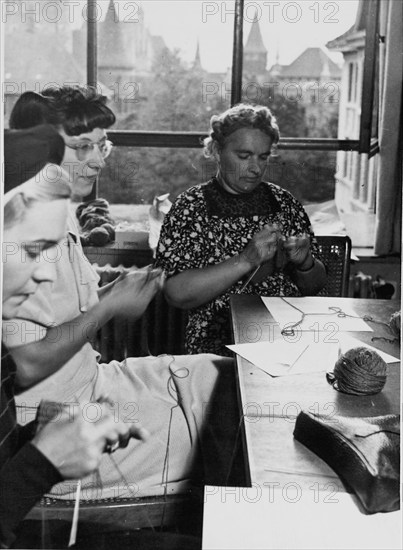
x,y
193,140
156,139
367,97
237,54
92,61
92,43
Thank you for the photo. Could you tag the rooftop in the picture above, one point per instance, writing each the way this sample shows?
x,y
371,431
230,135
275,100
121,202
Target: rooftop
x,y
312,63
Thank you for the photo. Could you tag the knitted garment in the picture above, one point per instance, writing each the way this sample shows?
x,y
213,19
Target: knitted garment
x,y
97,226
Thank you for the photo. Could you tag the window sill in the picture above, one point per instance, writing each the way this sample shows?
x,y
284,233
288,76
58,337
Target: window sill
x,y
367,254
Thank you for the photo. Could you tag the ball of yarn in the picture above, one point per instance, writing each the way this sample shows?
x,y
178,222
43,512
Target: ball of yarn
x,y
110,229
99,236
95,222
359,371
395,324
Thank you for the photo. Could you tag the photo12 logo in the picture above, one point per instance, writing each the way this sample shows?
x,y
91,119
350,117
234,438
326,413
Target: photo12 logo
x,y
71,10
274,491
273,12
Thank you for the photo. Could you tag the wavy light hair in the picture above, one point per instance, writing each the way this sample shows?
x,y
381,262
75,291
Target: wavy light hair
x,y
240,116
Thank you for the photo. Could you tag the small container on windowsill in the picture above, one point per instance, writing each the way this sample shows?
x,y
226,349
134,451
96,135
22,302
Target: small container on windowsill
x,y
132,235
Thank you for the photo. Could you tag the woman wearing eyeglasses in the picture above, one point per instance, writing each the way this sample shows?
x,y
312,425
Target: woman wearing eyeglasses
x,y
172,397
81,117
85,140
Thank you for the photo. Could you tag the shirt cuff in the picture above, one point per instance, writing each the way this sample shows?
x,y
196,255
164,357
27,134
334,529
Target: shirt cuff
x,y
308,269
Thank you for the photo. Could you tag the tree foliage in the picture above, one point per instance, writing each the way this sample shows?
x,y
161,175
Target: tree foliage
x,y
173,101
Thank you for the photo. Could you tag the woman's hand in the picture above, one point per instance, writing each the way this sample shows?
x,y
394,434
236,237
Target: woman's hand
x,y
112,275
298,251
131,294
262,247
75,440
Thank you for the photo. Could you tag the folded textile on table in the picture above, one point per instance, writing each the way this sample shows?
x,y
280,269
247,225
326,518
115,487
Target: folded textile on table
x,y
364,452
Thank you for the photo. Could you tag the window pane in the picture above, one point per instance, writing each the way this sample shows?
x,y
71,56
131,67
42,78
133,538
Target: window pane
x,y
137,175
134,176
287,66
39,39
166,64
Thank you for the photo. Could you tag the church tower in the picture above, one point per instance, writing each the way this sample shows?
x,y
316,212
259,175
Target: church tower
x,y
255,52
197,66
115,61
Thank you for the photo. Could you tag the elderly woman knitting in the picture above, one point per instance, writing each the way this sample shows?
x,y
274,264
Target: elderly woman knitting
x,y
219,233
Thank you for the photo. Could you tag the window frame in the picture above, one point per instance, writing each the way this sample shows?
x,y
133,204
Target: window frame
x,y
365,144
368,144
193,140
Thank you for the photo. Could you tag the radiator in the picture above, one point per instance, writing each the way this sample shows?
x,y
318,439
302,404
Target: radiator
x,y
362,286
160,330
365,286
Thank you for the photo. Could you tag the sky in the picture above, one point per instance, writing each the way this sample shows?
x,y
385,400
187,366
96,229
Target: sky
x,y
288,27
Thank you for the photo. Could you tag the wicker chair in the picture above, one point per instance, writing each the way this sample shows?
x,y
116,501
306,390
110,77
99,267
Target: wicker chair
x,y
335,251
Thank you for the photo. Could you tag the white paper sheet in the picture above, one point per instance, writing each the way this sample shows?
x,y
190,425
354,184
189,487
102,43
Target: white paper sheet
x,y
318,318
282,358
349,342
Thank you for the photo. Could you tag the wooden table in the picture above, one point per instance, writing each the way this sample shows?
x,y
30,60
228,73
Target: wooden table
x,y
279,464
270,405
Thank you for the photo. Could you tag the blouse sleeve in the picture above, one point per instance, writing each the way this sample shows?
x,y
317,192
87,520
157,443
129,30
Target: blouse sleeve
x,y
184,238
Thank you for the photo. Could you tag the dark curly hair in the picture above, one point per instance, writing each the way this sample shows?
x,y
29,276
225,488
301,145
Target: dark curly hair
x,y
242,115
76,109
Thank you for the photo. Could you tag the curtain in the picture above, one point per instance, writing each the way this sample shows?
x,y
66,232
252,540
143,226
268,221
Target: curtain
x,y
389,181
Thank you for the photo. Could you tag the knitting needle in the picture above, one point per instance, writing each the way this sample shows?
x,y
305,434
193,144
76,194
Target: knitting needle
x,y
298,358
74,524
248,280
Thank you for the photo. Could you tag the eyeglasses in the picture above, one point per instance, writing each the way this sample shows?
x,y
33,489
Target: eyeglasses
x,y
83,150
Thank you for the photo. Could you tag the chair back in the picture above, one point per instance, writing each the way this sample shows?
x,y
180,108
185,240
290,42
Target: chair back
x,y
335,251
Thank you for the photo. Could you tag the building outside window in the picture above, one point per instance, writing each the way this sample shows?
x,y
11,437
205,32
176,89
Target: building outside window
x,y
356,174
